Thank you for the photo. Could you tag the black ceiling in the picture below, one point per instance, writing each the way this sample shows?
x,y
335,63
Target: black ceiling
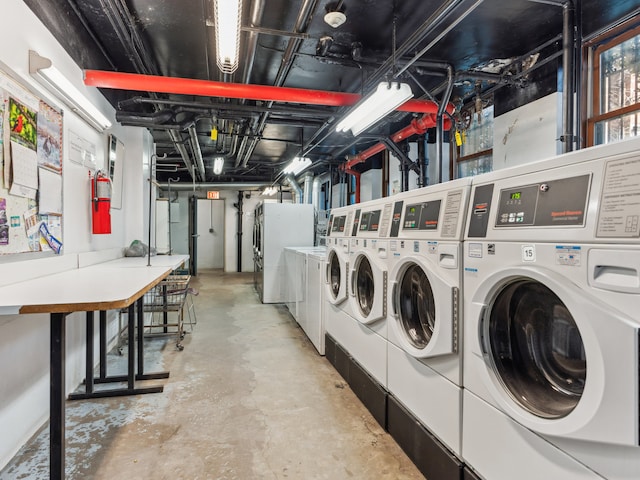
x,y
291,45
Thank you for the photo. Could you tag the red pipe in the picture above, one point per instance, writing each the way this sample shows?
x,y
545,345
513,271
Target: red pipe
x,y
357,175
189,86
418,126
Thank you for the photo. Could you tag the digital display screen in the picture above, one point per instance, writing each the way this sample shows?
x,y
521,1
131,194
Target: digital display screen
x,y
515,195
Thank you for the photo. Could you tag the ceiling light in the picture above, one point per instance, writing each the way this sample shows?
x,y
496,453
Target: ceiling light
x,y
335,19
296,166
53,80
218,164
386,98
227,16
269,191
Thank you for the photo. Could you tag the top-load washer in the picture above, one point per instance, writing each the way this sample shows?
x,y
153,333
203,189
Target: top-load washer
x,y
552,295
424,362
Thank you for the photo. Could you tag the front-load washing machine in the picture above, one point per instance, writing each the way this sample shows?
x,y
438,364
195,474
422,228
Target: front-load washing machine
x,y
367,339
424,363
551,337
336,276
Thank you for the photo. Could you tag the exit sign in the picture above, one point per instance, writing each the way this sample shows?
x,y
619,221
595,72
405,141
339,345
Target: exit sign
x,y
213,195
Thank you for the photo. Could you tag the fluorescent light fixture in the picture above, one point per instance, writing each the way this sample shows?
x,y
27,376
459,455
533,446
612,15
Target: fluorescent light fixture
x,y
297,165
50,77
218,164
269,191
386,98
227,17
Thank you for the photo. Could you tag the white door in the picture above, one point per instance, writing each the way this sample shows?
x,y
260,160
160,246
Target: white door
x,y
210,234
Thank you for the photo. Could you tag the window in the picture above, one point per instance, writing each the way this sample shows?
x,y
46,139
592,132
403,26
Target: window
x,y
476,151
616,89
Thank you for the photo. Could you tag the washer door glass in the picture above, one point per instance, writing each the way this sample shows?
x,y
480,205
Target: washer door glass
x,y
334,274
416,306
536,349
364,285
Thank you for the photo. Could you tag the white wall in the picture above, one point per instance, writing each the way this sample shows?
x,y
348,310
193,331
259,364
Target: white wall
x,y
371,185
528,133
180,229
24,339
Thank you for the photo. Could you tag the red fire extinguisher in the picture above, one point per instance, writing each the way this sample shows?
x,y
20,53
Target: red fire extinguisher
x,y
101,203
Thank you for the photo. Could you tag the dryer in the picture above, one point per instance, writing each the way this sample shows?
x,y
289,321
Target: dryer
x,y
551,301
424,361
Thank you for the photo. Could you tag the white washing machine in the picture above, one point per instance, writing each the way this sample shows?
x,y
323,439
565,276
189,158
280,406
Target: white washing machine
x,y
367,338
424,363
336,277
551,302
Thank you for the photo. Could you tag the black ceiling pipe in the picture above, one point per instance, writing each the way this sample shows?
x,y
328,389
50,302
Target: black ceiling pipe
x,y
568,69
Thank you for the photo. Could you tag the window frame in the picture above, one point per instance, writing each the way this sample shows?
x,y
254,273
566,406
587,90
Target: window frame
x,y
595,48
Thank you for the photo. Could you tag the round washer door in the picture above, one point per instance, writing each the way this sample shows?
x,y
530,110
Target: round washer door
x,y
425,321
553,355
535,349
336,277
368,288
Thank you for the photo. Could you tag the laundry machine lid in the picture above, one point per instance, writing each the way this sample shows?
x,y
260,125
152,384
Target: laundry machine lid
x,y
535,348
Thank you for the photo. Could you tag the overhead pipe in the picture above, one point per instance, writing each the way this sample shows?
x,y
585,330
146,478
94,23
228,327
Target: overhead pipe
x,y
177,140
440,120
257,9
197,153
318,180
304,17
224,107
308,193
451,26
418,126
214,185
296,187
208,88
415,39
568,69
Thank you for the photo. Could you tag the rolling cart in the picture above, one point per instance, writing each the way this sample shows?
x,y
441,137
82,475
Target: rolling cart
x,y
166,302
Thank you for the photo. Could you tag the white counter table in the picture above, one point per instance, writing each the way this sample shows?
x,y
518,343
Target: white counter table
x,y
112,285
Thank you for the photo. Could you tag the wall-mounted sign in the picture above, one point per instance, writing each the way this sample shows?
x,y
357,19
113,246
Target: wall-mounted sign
x,y
213,195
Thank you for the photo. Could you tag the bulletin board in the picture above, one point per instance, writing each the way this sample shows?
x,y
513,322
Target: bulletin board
x,y
30,172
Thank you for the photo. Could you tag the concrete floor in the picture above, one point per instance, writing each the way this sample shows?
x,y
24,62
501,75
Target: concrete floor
x,y
248,398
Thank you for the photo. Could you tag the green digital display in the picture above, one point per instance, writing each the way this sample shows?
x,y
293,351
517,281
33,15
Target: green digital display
x,y
515,196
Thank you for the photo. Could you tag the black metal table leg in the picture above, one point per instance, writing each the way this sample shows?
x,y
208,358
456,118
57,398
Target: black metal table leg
x,y
130,377
103,344
57,396
141,375
131,373
88,377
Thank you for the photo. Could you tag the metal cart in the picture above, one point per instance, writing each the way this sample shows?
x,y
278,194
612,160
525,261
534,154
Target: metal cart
x,y
166,301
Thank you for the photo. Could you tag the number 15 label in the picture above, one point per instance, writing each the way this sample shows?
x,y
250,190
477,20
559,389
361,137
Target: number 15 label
x,y
528,253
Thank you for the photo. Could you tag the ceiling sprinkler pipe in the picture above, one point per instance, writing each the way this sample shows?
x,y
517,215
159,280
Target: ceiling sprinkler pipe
x,y
189,86
418,126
